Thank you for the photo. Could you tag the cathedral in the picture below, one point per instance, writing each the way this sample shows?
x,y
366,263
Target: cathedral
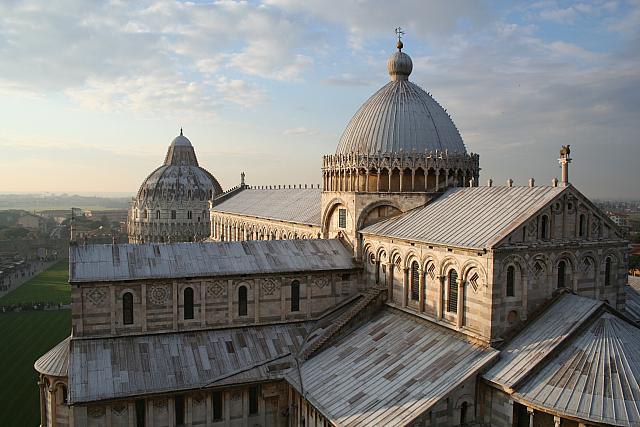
x,y
398,292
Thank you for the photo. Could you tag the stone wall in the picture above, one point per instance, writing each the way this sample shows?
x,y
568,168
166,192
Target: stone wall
x,y
158,305
391,262
194,408
230,227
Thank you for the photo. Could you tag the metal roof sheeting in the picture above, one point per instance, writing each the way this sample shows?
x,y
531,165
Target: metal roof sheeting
x,y
400,117
536,340
298,205
632,302
110,368
469,217
55,362
388,371
595,378
93,263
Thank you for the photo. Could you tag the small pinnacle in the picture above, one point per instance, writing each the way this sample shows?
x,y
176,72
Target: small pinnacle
x,y
180,130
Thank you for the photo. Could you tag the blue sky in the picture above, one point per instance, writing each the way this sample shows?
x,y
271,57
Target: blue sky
x,y
92,93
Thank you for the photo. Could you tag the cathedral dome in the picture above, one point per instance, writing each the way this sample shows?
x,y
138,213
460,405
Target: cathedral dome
x,y
400,117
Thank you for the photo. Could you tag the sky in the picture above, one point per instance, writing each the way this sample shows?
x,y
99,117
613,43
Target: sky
x,y
93,92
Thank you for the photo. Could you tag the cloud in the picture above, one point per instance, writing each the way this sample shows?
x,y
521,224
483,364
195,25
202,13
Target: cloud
x,y
240,92
300,131
516,98
380,17
148,56
348,79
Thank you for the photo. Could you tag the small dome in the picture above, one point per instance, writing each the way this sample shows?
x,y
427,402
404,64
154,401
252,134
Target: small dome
x,y
400,117
399,66
181,140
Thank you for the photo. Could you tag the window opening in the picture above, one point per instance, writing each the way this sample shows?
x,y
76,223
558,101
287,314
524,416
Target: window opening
x,y
561,274
127,308
242,301
179,404
544,226
140,413
295,296
216,399
188,303
342,218
452,304
253,400
415,281
511,276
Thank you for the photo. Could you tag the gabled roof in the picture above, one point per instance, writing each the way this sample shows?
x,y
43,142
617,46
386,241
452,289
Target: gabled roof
x,y
55,362
120,367
94,263
298,205
596,377
522,354
388,371
468,217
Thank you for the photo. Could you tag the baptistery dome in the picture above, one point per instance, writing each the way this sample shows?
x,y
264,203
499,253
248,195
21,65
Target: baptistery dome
x,y
172,202
400,117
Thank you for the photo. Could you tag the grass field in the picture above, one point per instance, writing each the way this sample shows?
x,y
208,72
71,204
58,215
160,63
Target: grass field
x,y
49,286
24,337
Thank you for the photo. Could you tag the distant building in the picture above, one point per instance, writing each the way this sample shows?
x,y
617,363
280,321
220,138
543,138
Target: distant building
x,y
401,293
33,222
619,218
172,204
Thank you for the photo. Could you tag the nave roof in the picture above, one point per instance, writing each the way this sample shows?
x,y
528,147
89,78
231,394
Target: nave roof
x,y
95,263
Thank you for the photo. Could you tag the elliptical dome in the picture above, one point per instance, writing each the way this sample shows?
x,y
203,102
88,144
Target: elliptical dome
x,y
400,117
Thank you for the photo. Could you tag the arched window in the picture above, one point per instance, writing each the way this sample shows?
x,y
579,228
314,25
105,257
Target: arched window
x,y
581,223
463,413
561,274
415,281
189,215
188,303
157,214
452,304
295,296
607,271
544,227
144,214
242,301
511,278
63,391
127,308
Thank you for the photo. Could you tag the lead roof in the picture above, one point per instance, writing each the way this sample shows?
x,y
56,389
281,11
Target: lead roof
x,y
468,217
121,262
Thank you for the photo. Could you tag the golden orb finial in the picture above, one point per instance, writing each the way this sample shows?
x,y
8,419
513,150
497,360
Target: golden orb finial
x,y
399,33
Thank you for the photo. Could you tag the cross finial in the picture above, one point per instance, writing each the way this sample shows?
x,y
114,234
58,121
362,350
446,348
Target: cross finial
x,y
399,33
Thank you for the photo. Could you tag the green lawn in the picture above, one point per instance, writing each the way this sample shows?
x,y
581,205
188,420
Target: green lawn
x,y
49,286
24,337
